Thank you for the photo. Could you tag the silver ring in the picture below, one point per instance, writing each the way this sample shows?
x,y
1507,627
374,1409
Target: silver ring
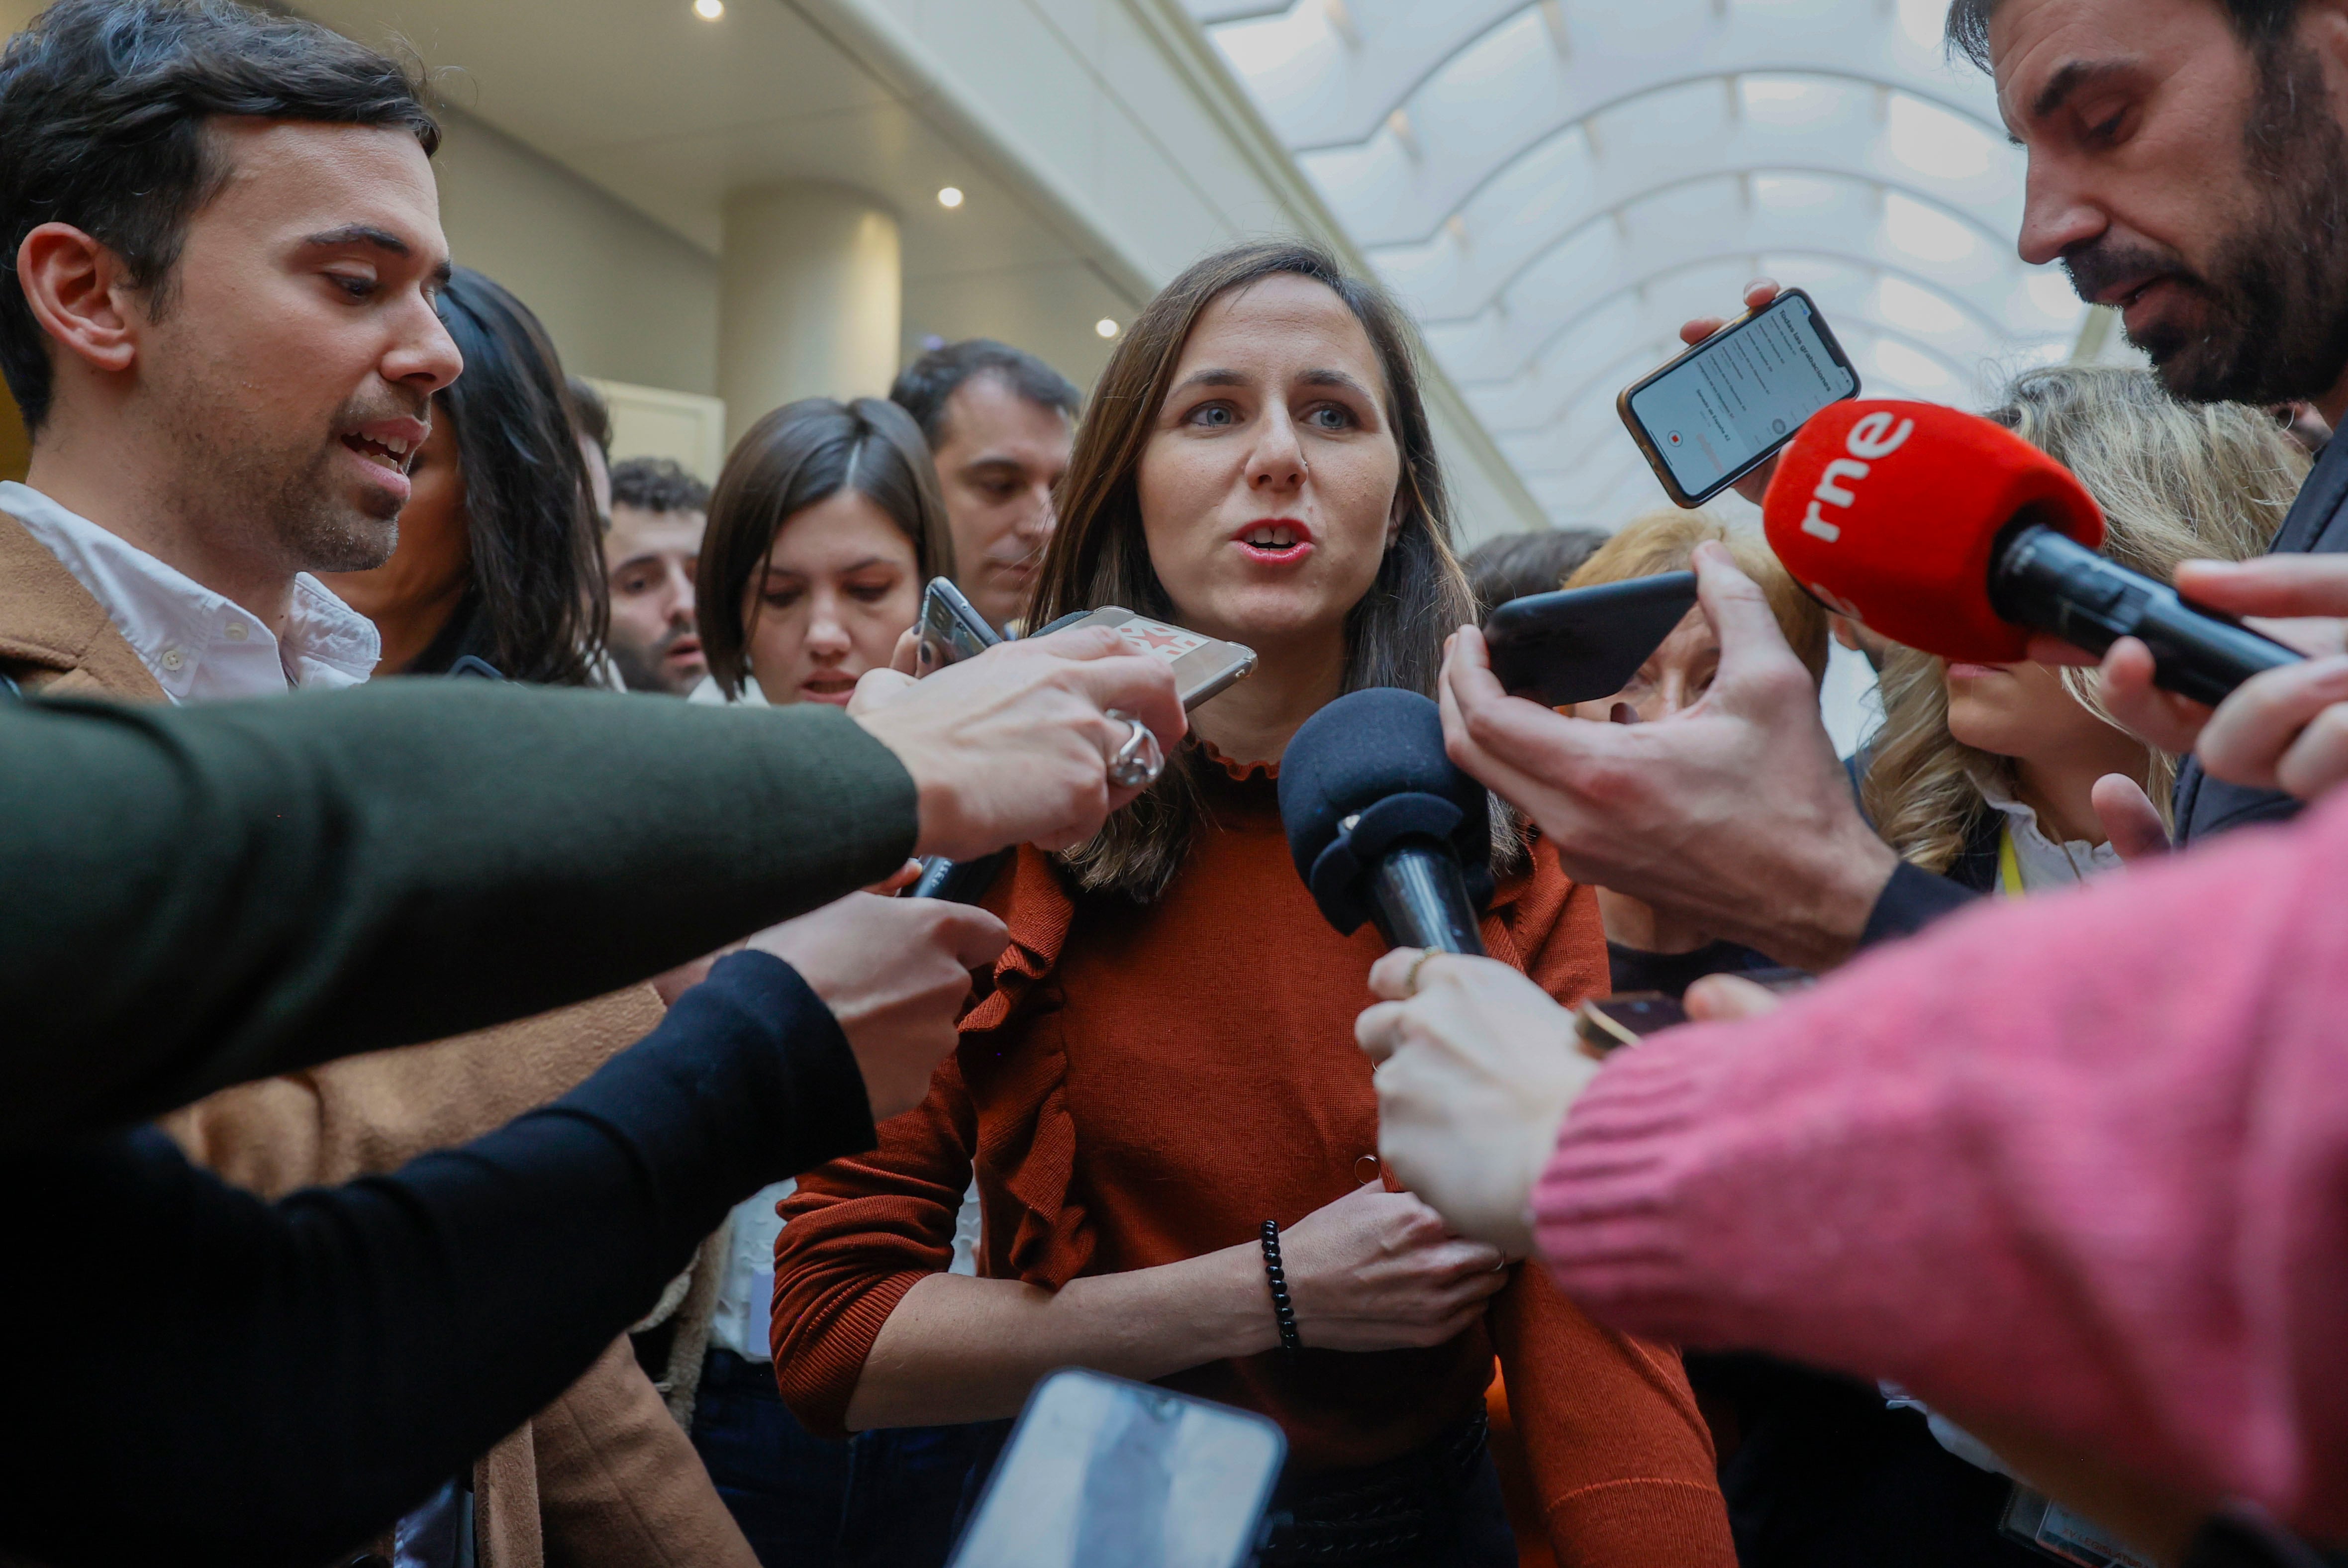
x,y
1137,762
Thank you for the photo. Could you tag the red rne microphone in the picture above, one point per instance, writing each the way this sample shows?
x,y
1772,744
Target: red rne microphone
x,y
1943,530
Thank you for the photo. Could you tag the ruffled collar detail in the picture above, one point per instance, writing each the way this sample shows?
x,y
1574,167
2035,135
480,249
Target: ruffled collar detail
x,y
1241,772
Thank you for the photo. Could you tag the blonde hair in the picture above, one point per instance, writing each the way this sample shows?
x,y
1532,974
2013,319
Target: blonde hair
x,y
1666,541
2176,481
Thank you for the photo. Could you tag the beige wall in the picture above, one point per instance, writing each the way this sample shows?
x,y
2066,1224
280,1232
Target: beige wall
x,y
625,298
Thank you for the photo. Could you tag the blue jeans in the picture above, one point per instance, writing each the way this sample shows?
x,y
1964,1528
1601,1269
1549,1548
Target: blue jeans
x,y
786,1486
888,1499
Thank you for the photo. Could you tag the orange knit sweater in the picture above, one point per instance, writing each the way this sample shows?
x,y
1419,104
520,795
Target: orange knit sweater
x,y
1143,1085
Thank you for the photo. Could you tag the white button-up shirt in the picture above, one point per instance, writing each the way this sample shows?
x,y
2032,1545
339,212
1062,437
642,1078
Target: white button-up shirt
x,y
200,646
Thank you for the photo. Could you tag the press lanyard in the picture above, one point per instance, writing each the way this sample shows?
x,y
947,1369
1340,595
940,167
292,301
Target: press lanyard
x,y
2008,864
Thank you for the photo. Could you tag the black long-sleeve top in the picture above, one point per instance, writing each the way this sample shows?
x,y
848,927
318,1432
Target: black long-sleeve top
x,y
195,897
196,1375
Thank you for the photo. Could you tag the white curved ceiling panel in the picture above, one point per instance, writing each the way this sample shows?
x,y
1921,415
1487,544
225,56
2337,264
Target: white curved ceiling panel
x,y
1552,186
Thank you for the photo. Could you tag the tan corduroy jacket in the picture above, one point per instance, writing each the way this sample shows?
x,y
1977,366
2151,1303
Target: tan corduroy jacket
x,y
603,1475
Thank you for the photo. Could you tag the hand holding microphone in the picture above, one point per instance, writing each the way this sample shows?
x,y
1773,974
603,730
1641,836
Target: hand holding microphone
x,y
2284,729
1951,534
1477,1069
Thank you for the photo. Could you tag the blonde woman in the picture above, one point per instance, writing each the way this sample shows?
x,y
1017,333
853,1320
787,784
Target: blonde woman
x,y
1646,949
1986,773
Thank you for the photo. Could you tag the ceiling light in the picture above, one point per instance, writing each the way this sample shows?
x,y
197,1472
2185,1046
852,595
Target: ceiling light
x,y
950,197
709,10
1105,327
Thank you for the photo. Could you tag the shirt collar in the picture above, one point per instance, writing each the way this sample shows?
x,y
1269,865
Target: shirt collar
x,y
199,646
2042,860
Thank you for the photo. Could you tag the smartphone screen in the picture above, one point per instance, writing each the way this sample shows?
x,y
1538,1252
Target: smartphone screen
x,y
1102,1470
1720,408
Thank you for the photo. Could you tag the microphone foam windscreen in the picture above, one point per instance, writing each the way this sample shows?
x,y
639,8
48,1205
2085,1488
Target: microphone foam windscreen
x,y
1368,768
1889,513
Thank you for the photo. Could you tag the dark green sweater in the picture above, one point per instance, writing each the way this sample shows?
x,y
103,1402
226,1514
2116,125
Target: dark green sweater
x,y
192,898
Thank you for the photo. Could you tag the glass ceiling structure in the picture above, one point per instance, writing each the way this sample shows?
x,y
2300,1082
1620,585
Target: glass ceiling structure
x,y
1553,187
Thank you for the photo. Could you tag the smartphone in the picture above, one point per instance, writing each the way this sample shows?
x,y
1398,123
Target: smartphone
x,y
1203,667
1582,644
1099,1470
1610,1023
1717,412
1606,1025
951,629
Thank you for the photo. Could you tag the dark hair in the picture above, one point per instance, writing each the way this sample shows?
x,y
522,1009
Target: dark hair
x,y
1538,562
537,606
591,414
927,384
657,484
103,107
2259,24
1099,554
800,456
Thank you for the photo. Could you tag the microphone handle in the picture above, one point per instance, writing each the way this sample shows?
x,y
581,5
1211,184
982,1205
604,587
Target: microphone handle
x,y
957,882
1422,899
2049,581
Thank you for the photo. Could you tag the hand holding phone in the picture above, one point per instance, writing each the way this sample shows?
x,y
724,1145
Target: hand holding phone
x,y
951,630
1718,412
1582,644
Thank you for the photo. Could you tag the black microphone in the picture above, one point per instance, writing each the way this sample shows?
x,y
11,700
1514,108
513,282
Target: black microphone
x,y
1383,825
2051,582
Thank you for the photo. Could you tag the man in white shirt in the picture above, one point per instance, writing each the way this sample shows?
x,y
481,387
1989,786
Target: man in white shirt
x,y
225,378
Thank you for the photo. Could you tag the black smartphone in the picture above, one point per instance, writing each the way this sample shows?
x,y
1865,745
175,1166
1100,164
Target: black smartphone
x,y
1101,1470
1582,644
1711,416
1608,1025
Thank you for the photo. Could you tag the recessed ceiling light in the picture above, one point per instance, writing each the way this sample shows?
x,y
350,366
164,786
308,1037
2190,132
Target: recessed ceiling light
x,y
950,197
1105,327
709,10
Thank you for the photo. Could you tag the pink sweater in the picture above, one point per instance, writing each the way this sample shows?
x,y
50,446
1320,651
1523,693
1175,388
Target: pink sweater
x,y
2077,1165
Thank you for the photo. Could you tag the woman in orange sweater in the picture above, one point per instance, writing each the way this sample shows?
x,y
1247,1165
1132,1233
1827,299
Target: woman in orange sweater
x,y
1164,1059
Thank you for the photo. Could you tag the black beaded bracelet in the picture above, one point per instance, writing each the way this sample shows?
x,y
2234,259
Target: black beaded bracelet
x,y
1282,1311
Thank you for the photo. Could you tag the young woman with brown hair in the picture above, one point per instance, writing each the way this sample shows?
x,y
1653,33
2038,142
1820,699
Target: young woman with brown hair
x,y
1163,1060
824,525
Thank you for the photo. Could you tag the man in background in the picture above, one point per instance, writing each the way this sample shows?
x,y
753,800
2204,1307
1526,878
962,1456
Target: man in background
x,y
1000,423
591,418
1539,561
650,554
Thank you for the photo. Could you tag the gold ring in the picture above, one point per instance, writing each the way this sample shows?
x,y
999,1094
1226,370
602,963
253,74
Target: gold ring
x,y
1410,978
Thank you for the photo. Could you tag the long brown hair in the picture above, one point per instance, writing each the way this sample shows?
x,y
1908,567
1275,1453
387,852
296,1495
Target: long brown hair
x,y
800,456
1098,555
